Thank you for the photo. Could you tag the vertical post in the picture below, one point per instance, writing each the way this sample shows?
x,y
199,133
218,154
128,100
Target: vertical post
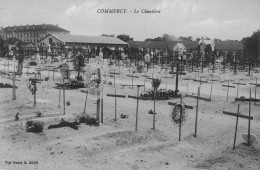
x,y
238,88
85,103
187,87
249,121
234,145
177,80
114,79
211,86
200,82
132,81
53,75
8,67
255,90
166,78
154,109
59,93
63,97
14,90
115,104
144,81
227,90
102,117
180,120
197,109
137,103
34,96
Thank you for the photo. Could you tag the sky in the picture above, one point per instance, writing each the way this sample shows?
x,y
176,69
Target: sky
x,y
222,19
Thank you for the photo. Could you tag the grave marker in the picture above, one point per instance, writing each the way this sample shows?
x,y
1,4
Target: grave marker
x,y
237,115
197,107
228,86
249,114
181,115
211,88
177,79
145,77
83,91
256,85
137,105
34,81
238,84
132,79
14,86
116,96
114,74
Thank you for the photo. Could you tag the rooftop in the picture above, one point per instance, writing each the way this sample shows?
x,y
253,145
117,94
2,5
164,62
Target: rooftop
x,y
32,28
88,39
153,44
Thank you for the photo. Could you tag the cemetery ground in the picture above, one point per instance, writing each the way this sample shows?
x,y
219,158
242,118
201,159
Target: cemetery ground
x,y
116,144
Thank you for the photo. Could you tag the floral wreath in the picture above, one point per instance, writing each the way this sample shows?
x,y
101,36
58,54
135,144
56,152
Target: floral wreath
x,y
95,76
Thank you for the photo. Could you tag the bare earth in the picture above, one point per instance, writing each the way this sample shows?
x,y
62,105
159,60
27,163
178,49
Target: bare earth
x,y
116,144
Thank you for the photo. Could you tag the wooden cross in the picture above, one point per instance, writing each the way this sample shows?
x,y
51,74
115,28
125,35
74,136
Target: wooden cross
x,y
211,89
132,79
145,77
195,73
83,91
39,72
200,81
166,78
48,68
249,112
4,69
238,84
228,86
53,70
200,61
235,66
197,107
249,66
114,74
14,86
188,83
116,96
256,85
238,115
137,105
185,106
34,81
27,69
177,79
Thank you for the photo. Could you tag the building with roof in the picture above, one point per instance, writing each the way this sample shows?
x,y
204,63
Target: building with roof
x,y
226,46
160,45
30,33
80,40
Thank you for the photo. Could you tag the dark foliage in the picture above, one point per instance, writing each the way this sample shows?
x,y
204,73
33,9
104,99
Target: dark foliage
x,y
88,120
73,125
32,63
156,83
76,84
34,126
159,94
6,85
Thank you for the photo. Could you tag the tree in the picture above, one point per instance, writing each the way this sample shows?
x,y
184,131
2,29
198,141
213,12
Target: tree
x,y
251,44
189,38
125,37
107,35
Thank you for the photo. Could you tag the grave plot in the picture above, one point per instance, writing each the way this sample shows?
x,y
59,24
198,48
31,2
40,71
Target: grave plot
x,y
250,139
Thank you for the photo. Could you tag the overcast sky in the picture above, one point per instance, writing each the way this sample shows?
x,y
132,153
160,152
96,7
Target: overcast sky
x,y
224,19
